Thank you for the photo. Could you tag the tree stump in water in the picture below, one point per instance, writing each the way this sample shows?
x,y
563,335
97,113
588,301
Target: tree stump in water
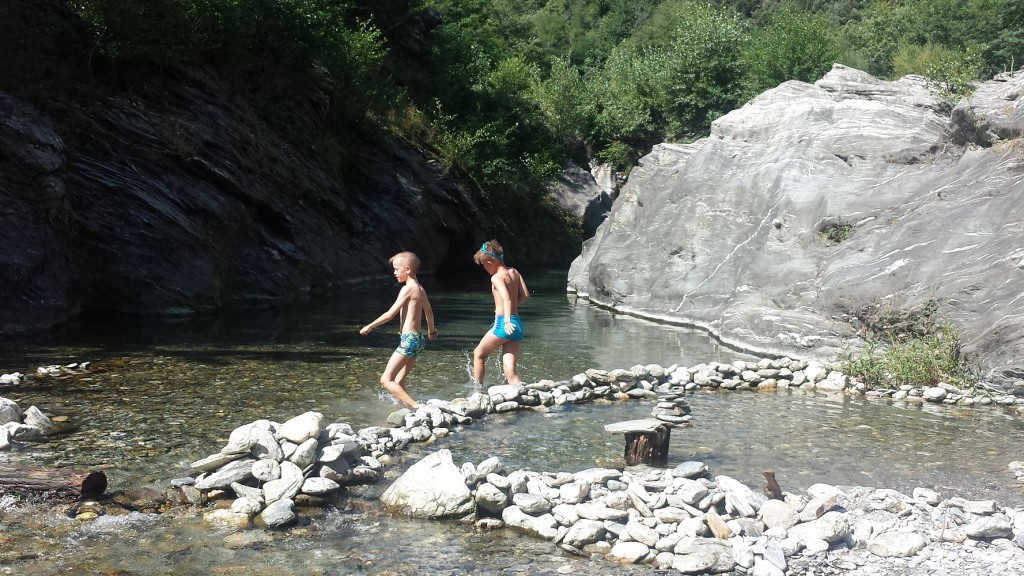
x,y
53,483
646,440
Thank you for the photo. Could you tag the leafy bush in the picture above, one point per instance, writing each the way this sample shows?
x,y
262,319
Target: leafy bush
x,y
951,71
916,360
913,348
790,46
699,75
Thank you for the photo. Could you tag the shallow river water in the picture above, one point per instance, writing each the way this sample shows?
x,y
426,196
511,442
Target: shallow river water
x,y
162,393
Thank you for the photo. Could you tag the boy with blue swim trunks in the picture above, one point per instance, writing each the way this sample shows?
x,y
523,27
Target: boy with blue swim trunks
x,y
411,303
509,291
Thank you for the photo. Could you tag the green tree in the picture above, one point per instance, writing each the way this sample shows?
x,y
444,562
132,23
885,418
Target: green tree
x,y
790,46
568,102
699,74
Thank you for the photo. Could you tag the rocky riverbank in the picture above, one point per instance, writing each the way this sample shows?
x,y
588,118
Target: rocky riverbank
x,y
683,519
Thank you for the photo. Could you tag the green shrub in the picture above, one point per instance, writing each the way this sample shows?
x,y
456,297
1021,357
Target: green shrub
x,y
836,231
914,350
790,46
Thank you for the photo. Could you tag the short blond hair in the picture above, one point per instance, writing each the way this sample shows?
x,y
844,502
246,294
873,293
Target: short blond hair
x,y
408,258
490,250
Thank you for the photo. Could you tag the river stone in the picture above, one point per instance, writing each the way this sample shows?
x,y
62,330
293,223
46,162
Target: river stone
x,y
640,533
831,527
215,461
279,513
773,553
598,511
503,393
490,498
928,496
490,466
988,527
243,491
397,418
690,469
266,470
305,455
34,417
740,500
225,517
584,532
897,544
690,491
703,555
544,525
241,439
234,471
431,488
285,487
980,507
346,449
880,151
302,427
628,552
248,506
9,411
18,432
670,514
597,476
318,486
778,513
265,446
565,514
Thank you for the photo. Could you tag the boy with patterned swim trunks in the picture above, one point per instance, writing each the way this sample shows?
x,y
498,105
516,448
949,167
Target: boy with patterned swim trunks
x,y
509,291
411,303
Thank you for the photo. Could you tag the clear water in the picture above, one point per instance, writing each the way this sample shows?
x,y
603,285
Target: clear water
x,y
162,393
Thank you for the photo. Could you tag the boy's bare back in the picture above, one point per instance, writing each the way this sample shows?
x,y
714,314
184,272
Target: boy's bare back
x,y
507,282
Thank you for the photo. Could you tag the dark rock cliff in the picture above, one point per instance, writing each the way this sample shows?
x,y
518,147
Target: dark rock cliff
x,y
171,195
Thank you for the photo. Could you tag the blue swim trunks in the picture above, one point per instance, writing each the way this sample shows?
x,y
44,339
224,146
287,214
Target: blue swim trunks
x,y
412,344
498,329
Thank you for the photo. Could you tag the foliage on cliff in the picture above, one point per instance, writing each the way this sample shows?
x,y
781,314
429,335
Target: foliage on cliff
x,y
506,90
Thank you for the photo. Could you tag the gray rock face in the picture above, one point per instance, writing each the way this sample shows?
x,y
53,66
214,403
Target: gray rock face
x,y
578,193
726,233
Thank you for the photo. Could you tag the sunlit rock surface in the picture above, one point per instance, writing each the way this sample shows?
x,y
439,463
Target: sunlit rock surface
x,y
727,232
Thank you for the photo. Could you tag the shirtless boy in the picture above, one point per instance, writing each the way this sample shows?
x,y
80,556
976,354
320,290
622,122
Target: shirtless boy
x,y
509,291
411,303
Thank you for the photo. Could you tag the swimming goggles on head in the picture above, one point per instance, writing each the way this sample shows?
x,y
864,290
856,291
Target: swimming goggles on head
x,y
483,248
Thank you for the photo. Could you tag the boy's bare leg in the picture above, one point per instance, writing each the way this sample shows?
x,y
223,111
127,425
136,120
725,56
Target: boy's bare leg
x,y
509,354
489,343
394,376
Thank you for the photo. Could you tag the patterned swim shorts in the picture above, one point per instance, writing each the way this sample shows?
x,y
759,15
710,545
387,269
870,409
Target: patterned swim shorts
x,y
412,343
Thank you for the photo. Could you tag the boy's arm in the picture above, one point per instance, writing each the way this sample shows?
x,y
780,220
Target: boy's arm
x,y
428,312
524,292
403,297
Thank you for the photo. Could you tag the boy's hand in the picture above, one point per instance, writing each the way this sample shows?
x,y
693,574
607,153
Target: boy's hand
x,y
432,335
365,330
